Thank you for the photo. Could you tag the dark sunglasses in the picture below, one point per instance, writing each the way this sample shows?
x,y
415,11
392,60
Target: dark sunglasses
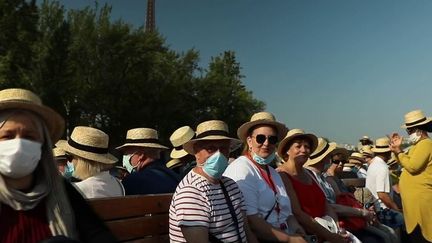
x,y
261,138
338,161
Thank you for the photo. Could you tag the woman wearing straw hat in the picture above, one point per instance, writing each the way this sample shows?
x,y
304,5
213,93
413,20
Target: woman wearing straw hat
x,y
414,183
206,205
89,150
35,202
308,199
267,204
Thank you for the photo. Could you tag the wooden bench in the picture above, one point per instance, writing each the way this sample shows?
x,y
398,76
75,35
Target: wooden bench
x,y
140,218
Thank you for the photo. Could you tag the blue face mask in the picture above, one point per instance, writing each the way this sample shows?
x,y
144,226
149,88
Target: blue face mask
x,y
264,161
127,164
69,170
215,165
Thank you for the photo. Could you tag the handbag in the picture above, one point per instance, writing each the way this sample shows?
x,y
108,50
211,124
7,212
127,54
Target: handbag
x,y
328,223
352,223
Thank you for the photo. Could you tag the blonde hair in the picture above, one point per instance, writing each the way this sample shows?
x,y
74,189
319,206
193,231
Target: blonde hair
x,y
85,168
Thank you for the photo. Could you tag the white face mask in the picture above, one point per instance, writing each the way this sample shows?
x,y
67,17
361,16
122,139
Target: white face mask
x,y
414,137
19,157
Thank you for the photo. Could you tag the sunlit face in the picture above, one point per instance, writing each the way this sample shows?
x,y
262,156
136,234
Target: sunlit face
x,y
21,126
259,147
299,151
206,148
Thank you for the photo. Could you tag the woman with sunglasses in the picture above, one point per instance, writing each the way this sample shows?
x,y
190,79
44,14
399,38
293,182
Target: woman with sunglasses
x,y
415,180
268,206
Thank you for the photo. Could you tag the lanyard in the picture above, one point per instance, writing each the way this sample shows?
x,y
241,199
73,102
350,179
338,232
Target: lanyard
x,y
268,179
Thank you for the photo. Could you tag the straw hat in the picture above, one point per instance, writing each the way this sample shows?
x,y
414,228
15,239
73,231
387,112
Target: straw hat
x,y
323,149
89,143
142,137
178,138
293,134
392,160
356,158
366,150
415,118
173,163
59,153
365,138
382,145
210,130
27,100
262,118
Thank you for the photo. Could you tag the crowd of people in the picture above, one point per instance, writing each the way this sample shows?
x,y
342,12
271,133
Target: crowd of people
x,y
271,184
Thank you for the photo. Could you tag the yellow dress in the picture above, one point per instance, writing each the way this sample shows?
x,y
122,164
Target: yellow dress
x,y
415,185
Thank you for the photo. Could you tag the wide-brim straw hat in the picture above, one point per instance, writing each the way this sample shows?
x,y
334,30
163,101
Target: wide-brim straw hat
x,y
210,130
382,145
392,160
179,137
173,163
262,118
323,149
366,150
415,118
356,158
27,100
89,143
296,134
142,137
59,154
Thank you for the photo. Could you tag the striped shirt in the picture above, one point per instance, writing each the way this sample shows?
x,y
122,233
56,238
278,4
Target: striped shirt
x,y
197,202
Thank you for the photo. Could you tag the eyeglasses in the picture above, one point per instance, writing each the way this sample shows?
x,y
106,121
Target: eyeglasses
x,y
338,161
261,138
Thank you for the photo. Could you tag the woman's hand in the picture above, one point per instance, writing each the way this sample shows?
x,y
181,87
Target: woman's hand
x,y
395,143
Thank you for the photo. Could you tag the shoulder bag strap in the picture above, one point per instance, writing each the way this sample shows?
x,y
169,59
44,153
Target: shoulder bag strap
x,y
231,209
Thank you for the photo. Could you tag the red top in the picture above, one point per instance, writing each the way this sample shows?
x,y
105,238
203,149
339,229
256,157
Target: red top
x,y
24,226
311,198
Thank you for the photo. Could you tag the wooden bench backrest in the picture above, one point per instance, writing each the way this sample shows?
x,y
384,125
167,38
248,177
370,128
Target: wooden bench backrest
x,y
140,218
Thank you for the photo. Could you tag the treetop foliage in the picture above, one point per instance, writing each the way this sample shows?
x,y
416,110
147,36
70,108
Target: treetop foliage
x,y
107,74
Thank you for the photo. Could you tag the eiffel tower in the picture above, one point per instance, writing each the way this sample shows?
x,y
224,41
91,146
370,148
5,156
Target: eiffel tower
x,y
150,18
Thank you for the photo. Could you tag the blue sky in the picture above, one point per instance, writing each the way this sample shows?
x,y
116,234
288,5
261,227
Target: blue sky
x,y
339,68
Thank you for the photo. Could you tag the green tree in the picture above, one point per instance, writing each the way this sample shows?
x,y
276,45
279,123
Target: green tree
x,y
110,75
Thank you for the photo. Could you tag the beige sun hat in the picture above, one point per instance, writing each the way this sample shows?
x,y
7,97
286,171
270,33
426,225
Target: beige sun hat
x,y
415,118
210,130
173,163
142,137
392,160
293,134
356,158
262,118
89,143
382,145
59,153
323,149
179,137
366,150
27,100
